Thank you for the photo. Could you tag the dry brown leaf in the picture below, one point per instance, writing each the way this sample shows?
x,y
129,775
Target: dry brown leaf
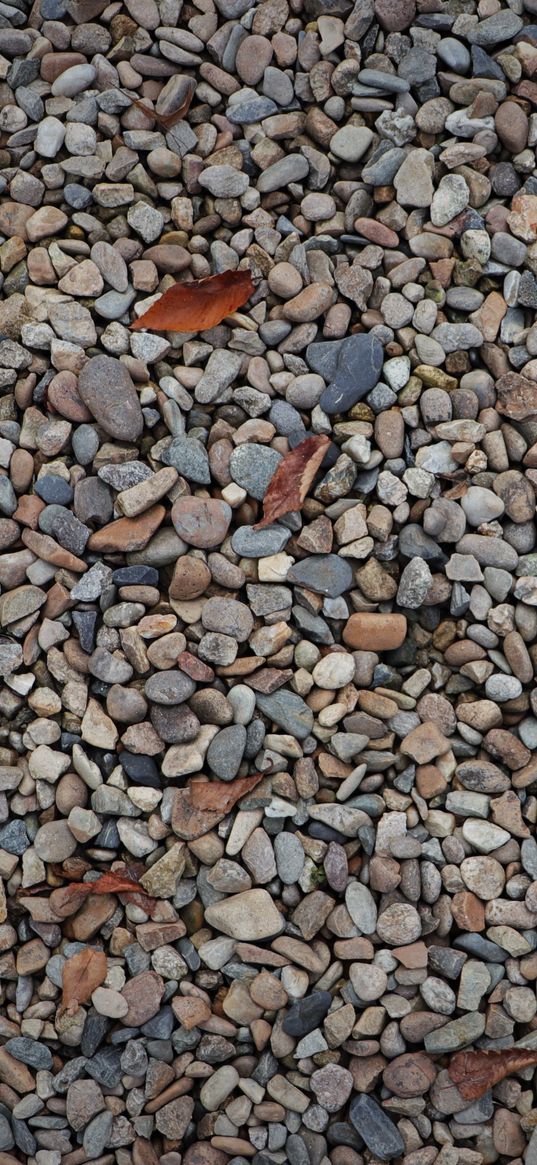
x,y
291,481
475,1072
198,306
81,975
222,795
68,899
166,120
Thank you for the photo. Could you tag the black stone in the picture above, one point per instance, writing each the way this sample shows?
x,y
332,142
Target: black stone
x,y
342,1133
131,576
95,1030
306,1014
415,543
446,961
357,371
86,624
140,769
108,838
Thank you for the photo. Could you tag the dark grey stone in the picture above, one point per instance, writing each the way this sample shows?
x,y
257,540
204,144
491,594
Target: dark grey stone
x,y
226,751
358,367
376,1128
306,1014
326,574
30,1052
287,710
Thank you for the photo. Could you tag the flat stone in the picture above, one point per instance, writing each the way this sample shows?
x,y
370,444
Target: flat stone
x,y
249,916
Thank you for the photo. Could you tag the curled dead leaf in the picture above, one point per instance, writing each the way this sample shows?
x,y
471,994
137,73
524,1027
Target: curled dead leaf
x,y
292,479
68,899
80,977
222,795
166,120
198,306
475,1072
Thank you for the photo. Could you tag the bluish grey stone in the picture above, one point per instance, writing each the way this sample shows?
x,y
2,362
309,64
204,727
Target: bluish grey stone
x,y
14,838
285,418
252,466
30,1052
250,111
381,168
454,54
52,488
250,543
105,1067
113,304
7,1139
502,26
97,1134
290,168
85,443
189,457
380,1134
287,710
226,751
326,574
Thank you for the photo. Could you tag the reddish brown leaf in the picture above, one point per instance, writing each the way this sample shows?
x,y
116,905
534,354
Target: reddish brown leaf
x,y
291,481
198,306
166,120
68,899
222,795
475,1072
81,975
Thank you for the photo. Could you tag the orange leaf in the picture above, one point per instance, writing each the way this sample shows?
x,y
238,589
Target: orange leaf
x,y
198,306
81,975
166,120
222,795
291,481
475,1072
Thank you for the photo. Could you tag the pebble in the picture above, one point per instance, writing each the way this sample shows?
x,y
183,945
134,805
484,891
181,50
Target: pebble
x,y
310,743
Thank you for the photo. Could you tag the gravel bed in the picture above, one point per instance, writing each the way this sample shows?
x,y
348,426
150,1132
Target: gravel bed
x,y
302,952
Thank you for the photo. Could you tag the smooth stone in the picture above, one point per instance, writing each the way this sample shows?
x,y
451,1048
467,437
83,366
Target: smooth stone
x,y
107,390
248,917
325,574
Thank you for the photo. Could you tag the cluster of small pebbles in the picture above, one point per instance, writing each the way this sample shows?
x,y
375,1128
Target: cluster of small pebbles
x,y
301,968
